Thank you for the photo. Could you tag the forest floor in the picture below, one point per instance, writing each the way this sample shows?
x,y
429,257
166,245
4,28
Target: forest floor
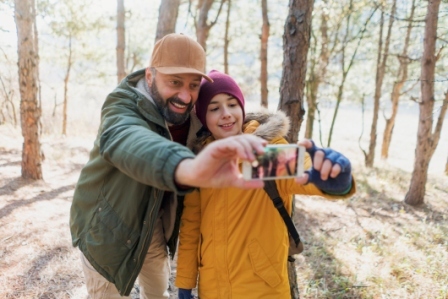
x,y
370,246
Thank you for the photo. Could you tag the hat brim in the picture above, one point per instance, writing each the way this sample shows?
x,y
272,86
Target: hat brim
x,y
171,70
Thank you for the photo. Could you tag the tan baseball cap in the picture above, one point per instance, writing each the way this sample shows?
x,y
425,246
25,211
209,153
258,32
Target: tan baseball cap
x,y
176,53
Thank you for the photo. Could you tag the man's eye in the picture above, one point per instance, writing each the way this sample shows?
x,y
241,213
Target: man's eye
x,y
175,83
194,86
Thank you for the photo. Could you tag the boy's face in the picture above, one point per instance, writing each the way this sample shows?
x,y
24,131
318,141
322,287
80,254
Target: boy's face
x,y
224,116
174,95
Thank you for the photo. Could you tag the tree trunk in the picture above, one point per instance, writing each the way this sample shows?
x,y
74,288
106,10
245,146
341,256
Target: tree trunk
x,y
66,80
396,90
296,39
381,70
370,156
39,88
202,28
446,167
336,108
311,100
30,110
346,69
264,54
226,38
202,25
425,146
8,94
121,41
292,276
166,24
310,86
317,76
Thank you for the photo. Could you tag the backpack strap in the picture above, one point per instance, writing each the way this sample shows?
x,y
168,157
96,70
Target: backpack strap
x,y
271,189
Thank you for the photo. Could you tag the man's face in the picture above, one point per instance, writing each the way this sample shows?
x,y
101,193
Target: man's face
x,y
174,95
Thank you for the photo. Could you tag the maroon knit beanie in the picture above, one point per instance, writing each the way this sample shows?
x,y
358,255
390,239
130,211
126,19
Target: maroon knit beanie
x,y
222,83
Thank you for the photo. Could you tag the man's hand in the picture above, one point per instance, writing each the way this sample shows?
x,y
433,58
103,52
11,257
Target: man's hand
x,y
331,171
216,166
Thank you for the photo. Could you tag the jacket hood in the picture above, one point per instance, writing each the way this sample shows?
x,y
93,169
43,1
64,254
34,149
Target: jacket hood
x,y
271,125
263,123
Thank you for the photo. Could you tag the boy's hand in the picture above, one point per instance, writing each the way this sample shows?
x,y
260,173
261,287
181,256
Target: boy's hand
x,y
330,172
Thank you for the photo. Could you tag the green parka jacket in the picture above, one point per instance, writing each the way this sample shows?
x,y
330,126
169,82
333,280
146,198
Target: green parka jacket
x,y
120,189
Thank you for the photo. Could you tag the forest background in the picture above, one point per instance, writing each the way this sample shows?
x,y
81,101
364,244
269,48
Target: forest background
x,y
368,247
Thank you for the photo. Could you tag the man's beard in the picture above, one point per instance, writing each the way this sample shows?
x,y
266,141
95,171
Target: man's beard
x,y
170,116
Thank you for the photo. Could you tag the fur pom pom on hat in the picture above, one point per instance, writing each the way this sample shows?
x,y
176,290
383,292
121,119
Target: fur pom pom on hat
x,y
222,83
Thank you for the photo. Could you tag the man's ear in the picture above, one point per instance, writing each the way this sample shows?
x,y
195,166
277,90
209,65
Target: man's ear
x,y
148,76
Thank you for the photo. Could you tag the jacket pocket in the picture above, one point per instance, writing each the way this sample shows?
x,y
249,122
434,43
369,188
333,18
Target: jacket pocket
x,y
262,266
109,241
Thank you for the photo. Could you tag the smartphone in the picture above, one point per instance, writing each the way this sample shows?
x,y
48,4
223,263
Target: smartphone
x,y
280,161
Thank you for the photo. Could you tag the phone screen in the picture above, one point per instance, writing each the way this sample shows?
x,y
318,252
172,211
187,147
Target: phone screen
x,y
276,162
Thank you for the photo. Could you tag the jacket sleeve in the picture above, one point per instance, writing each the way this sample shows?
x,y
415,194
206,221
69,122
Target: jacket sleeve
x,y
136,148
187,259
290,187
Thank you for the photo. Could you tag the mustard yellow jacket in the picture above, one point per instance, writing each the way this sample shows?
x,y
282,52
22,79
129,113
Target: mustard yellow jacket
x,y
235,240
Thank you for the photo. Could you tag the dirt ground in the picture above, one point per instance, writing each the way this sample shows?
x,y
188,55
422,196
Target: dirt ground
x,y
371,246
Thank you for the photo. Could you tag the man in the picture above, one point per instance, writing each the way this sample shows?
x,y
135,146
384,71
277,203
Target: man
x,y
125,210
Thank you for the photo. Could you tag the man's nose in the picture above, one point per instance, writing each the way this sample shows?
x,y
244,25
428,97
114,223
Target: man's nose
x,y
184,95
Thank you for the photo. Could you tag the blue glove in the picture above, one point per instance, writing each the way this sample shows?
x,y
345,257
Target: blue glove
x,y
184,294
336,186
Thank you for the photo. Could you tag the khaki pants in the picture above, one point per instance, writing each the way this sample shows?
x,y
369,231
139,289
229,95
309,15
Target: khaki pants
x,y
153,278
